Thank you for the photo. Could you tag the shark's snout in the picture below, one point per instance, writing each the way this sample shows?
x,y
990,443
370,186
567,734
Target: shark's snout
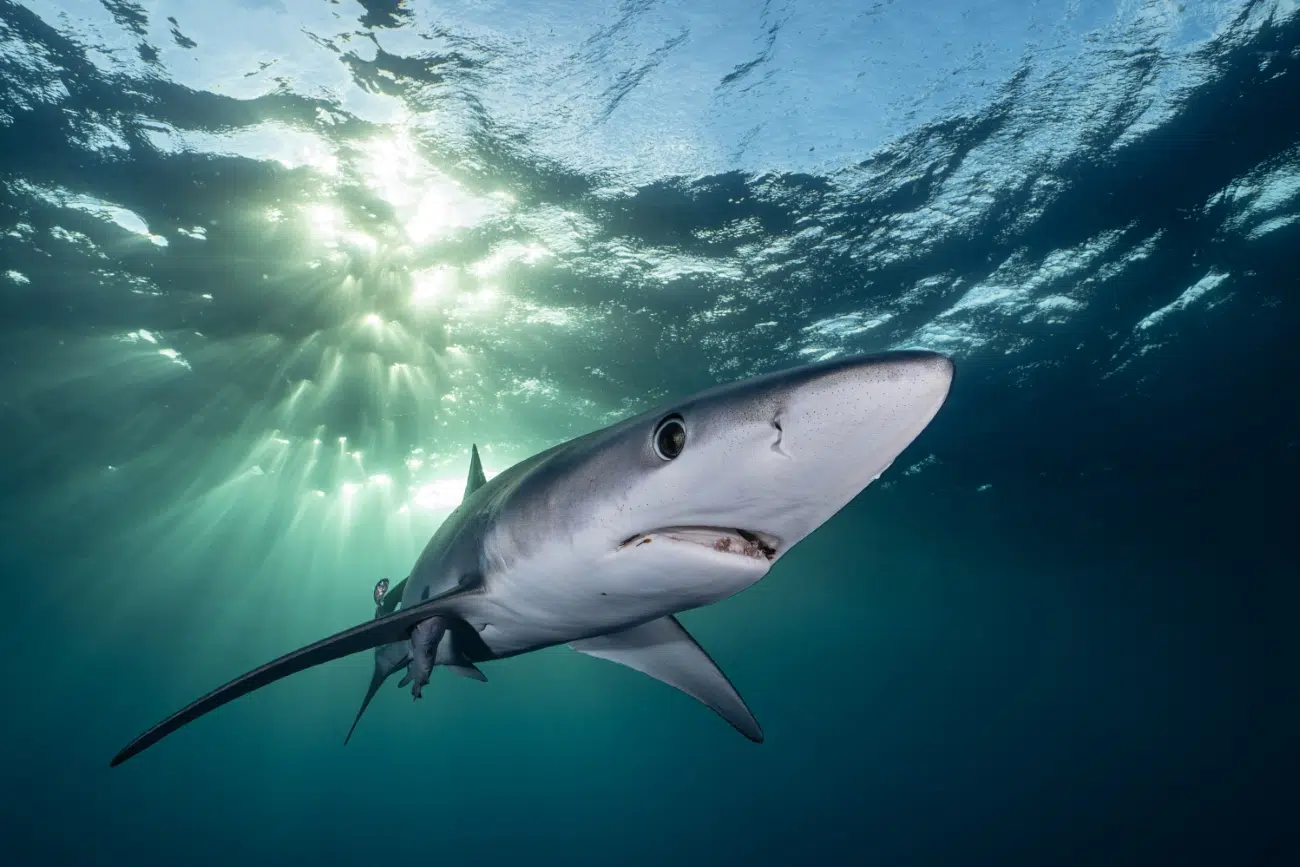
x,y
860,413
833,430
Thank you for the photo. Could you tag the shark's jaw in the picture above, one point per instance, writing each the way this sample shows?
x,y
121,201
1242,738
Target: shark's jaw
x,y
726,541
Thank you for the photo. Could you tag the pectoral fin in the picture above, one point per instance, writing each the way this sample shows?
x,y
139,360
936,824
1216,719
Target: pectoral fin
x,y
664,650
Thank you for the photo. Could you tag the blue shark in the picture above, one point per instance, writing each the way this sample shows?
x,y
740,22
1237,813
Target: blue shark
x,y
600,542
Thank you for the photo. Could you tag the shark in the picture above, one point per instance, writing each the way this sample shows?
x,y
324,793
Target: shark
x,y
599,543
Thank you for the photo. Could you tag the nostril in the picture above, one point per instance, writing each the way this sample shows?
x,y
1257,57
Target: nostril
x,y
780,434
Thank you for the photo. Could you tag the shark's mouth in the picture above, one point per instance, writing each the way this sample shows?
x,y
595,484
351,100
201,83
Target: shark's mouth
x,y
725,540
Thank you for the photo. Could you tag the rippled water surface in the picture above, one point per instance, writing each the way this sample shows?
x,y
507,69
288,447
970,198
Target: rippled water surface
x,y
268,268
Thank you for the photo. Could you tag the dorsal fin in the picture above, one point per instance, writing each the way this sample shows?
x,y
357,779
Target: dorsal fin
x,y
476,478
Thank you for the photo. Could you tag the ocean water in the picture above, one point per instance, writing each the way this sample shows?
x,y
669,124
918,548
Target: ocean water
x,y
268,268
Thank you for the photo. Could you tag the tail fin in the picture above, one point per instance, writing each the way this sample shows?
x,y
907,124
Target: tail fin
x,y
389,629
389,659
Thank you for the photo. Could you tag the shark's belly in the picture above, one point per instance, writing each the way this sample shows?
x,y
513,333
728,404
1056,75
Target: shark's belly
x,y
518,612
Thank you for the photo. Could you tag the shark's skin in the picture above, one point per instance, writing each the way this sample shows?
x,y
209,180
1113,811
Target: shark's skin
x,y
597,543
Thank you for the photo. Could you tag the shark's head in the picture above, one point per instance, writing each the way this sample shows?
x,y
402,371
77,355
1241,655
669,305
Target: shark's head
x,y
754,467
726,482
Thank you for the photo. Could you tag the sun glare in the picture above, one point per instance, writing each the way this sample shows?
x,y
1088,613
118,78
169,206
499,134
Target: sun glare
x,y
438,494
433,285
326,221
428,203
506,254
364,258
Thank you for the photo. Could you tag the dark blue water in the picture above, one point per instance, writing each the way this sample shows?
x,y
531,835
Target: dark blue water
x,y
268,268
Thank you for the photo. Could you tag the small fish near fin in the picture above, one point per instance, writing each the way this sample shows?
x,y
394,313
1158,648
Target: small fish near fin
x,y
391,628
664,650
389,659
476,478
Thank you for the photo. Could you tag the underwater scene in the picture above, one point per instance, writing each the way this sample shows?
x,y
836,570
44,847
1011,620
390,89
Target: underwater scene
x,y
758,432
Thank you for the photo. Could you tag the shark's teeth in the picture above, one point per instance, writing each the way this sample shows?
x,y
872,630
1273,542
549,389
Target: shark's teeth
x,y
745,543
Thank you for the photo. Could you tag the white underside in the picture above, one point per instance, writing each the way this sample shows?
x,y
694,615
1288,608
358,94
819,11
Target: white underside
x,y
567,595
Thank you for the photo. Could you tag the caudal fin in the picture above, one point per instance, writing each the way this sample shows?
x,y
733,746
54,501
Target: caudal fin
x,y
389,659
388,629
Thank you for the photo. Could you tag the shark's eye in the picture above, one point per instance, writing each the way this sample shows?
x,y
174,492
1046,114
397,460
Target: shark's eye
x,y
670,437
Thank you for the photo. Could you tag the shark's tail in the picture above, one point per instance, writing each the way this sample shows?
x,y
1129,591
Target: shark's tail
x,y
393,628
389,659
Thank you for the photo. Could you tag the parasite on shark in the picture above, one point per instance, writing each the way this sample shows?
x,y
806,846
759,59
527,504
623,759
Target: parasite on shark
x,y
600,542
